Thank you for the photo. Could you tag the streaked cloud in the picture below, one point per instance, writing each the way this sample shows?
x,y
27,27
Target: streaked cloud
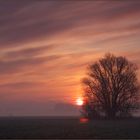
x,y
45,47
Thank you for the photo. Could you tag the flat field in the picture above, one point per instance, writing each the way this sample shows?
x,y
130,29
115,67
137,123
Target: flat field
x,y
67,127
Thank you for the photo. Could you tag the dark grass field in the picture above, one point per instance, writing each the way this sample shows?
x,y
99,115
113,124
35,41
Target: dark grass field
x,y
67,127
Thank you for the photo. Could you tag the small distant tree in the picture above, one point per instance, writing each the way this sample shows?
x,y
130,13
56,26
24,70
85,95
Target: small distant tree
x,y
110,88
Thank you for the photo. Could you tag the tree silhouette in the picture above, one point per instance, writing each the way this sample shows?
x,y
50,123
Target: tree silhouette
x,y
110,88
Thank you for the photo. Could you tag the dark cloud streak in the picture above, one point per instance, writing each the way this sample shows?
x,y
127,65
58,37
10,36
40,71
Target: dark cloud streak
x,y
28,25
9,67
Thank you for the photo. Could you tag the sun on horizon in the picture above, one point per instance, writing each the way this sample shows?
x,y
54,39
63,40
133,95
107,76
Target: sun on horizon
x,y
79,101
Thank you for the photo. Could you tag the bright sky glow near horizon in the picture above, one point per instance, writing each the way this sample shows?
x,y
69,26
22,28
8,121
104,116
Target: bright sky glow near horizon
x,y
46,45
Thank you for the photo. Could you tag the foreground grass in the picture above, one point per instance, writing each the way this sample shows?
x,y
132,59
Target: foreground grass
x,y
43,127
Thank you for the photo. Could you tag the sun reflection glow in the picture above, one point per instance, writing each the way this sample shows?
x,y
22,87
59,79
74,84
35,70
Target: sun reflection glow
x,y
83,120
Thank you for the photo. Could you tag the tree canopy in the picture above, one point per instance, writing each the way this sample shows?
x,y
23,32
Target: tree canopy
x,y
111,88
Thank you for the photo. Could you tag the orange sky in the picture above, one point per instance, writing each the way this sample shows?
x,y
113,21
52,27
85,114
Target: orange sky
x,y
45,47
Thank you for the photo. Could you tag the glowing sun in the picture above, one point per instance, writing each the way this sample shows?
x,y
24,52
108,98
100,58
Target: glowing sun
x,y
79,101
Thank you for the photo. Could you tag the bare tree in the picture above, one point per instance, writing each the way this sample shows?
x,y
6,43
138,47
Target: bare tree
x,y
111,88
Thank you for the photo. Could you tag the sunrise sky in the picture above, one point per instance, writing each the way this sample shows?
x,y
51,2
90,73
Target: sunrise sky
x,y
46,45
